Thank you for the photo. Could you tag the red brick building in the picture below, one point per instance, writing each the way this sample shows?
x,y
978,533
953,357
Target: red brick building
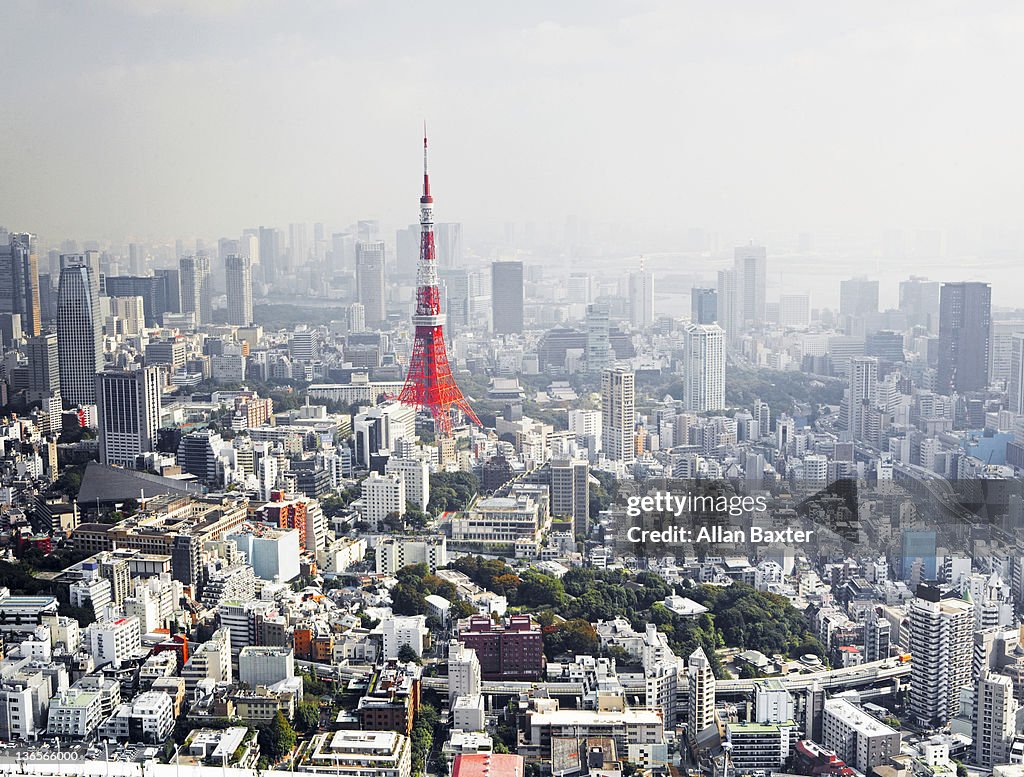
x,y
513,650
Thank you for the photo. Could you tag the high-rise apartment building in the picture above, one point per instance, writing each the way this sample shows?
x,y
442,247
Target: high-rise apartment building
x,y
860,396
703,306
43,366
995,719
597,350
701,701
239,289
728,304
1015,381
965,319
941,643
703,368
196,288
750,266
129,414
570,492
370,281
463,671
19,279
641,298
507,297
618,414
79,330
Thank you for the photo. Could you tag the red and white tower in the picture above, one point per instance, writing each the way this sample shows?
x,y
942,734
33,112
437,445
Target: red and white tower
x,y
429,384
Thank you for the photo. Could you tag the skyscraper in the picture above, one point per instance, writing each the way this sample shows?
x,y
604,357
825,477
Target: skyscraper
x,y
641,298
152,288
239,288
128,404
449,244
703,306
703,368
919,300
270,252
941,644
507,297
298,245
860,396
370,281
79,330
19,280
858,297
750,265
43,367
965,319
196,288
618,414
597,351
1015,382
407,250
727,304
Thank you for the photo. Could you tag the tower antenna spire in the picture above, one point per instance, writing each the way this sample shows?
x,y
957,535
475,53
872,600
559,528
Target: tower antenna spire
x,y
426,177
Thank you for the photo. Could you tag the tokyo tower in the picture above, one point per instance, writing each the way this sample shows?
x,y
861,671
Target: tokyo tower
x,y
429,383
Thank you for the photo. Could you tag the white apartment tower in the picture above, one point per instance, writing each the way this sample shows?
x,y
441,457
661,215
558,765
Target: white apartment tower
x,y
641,298
941,642
995,720
196,288
463,671
618,414
701,702
239,290
703,368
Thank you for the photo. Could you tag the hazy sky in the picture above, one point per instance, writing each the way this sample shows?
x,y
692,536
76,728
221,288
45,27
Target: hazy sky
x,y
179,117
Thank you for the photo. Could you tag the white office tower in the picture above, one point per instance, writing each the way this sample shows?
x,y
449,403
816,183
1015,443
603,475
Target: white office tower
x,y
79,329
750,265
641,298
701,701
941,644
772,702
265,665
995,720
618,414
416,474
196,288
383,495
463,671
855,414
211,660
703,368
239,290
128,406
570,492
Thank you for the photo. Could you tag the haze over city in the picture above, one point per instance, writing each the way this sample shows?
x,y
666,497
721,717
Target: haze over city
x,y
169,118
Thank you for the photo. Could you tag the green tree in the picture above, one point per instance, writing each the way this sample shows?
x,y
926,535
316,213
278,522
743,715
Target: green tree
x,y
307,715
277,738
407,653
